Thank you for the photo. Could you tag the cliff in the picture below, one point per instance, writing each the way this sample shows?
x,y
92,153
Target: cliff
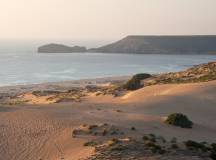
x,y
59,48
161,45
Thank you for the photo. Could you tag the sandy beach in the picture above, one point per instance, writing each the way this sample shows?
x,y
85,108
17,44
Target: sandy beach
x,y
44,131
108,80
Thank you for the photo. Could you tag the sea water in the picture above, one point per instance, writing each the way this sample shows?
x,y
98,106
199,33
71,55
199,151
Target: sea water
x,y
31,67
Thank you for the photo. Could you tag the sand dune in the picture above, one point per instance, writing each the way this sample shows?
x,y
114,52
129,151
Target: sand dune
x,y
33,132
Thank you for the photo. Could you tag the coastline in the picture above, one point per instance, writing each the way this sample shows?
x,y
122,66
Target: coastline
x,y
64,120
64,85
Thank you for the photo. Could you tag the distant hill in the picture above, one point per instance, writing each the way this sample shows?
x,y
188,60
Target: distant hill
x,y
161,45
59,48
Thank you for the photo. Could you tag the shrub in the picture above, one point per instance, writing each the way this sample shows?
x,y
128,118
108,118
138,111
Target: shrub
x,y
213,155
154,148
174,140
174,146
196,145
162,139
162,151
92,127
152,137
142,76
180,120
213,145
90,144
213,151
133,128
135,82
114,133
145,138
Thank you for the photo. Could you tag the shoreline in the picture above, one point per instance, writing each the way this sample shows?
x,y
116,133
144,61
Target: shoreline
x,y
196,73
64,84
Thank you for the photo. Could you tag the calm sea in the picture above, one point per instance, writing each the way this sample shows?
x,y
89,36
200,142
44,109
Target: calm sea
x,y
30,67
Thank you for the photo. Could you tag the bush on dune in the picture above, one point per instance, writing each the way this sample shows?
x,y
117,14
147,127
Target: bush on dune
x,y
135,82
193,145
141,76
180,120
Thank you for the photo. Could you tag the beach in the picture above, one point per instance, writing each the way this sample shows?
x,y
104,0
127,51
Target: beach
x,y
40,130
107,80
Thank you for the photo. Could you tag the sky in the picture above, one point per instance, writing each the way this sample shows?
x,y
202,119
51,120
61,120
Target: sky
x,y
104,19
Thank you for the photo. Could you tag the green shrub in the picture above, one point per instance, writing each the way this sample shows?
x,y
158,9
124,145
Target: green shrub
x,y
135,82
180,120
142,76
196,145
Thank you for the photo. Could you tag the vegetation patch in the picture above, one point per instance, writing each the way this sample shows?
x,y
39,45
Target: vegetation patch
x,y
180,120
96,130
45,93
200,73
90,144
17,102
132,149
135,82
193,145
133,128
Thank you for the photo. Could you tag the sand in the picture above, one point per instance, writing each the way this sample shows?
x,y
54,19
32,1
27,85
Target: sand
x,y
33,132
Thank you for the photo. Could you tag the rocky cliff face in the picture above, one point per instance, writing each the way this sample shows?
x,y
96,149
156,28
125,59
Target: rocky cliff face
x,y
161,45
58,48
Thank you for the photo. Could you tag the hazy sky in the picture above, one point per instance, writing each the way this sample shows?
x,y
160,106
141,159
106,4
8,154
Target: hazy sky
x,y
104,19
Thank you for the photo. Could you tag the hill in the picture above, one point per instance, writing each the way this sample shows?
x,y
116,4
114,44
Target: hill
x,y
161,45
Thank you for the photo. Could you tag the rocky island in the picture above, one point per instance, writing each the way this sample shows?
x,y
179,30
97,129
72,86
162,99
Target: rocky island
x,y
59,48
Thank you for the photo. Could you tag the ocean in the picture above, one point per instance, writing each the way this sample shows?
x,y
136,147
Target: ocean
x,y
32,68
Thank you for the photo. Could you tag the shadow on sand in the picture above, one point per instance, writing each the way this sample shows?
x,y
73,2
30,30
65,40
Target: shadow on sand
x,y
6,109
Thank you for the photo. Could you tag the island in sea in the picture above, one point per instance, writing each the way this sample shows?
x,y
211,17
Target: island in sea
x,y
203,44
59,48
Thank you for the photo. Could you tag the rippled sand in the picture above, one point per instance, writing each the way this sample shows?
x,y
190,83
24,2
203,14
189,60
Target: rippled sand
x,y
33,132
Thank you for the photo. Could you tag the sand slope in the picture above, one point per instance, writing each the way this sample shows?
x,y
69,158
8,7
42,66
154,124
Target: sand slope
x,y
34,132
